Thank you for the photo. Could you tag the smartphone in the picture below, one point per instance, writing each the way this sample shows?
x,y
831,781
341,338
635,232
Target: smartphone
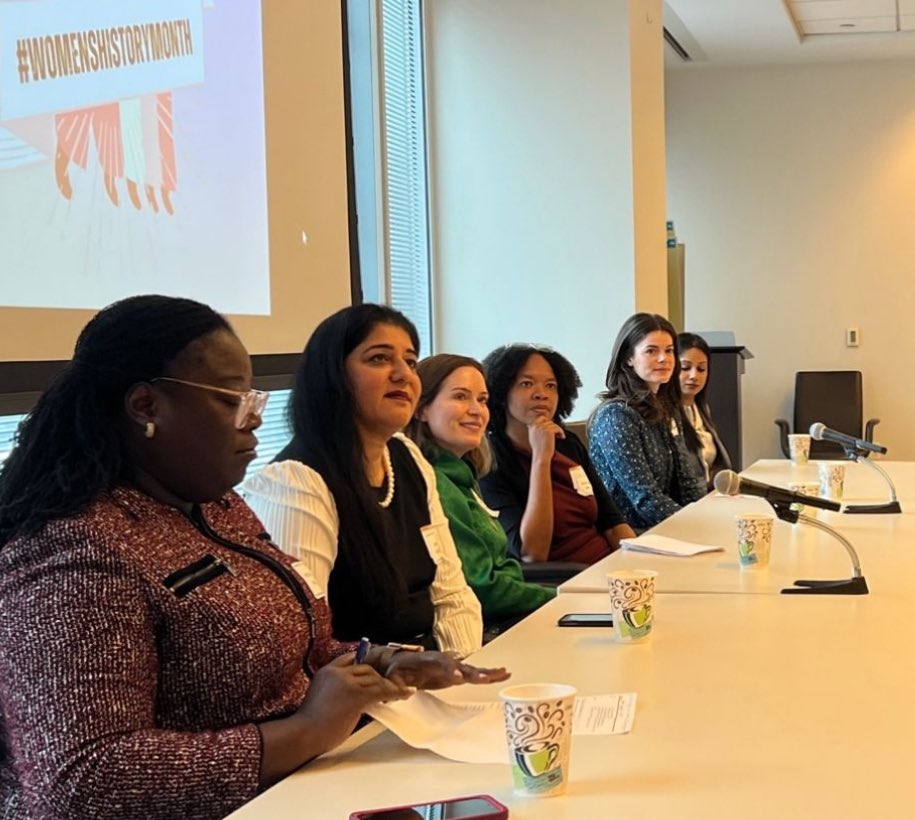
x,y
586,619
475,807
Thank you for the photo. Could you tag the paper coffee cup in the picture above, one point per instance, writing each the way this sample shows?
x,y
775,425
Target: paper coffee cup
x,y
832,479
538,727
632,603
799,448
754,539
804,488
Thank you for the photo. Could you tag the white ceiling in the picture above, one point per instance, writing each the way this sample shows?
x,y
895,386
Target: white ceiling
x,y
759,32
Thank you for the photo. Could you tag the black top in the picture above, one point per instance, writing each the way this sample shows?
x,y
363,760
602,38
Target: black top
x,y
506,488
353,617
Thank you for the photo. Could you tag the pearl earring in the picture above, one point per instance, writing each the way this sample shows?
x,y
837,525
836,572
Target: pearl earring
x,y
150,429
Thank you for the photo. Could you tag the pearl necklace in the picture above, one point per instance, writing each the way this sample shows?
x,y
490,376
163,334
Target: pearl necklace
x,y
389,475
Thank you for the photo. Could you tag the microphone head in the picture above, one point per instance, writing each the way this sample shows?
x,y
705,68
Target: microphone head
x,y
727,482
816,430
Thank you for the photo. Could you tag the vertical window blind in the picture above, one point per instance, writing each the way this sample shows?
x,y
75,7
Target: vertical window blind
x,y
405,186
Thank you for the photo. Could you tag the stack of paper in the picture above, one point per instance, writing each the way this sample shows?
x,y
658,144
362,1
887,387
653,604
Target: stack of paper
x,y
662,545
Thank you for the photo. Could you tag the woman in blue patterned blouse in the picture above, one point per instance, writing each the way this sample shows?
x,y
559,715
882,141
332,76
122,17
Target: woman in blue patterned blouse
x,y
639,441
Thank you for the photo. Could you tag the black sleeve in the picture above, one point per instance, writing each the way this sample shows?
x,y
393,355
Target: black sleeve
x,y
506,492
608,514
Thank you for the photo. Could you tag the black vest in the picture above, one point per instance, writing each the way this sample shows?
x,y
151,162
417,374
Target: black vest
x,y
353,618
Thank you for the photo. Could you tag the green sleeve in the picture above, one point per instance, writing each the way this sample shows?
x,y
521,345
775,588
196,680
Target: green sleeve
x,y
494,577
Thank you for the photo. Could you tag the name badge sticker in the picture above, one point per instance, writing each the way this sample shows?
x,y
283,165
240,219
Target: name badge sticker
x,y
580,480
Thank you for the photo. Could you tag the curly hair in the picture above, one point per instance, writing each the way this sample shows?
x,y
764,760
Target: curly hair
x,y
70,448
502,366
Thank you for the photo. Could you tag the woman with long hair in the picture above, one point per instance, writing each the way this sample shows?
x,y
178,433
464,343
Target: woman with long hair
x,y
355,501
641,445
695,365
550,500
450,428
159,657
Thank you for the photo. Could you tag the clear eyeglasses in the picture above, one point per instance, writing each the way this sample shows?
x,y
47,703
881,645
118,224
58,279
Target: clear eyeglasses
x,y
249,401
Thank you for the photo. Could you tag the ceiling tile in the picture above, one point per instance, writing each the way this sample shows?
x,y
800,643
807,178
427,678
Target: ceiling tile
x,y
850,25
834,9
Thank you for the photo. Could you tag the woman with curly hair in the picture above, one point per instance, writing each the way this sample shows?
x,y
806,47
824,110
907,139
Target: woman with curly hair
x,y
642,447
550,500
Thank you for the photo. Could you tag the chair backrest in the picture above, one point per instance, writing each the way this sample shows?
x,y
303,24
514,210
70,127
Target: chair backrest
x,y
580,428
833,397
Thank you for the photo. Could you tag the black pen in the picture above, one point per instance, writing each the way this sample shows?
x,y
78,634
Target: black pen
x,y
362,650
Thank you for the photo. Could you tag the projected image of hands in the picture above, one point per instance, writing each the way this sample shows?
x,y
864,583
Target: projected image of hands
x,y
134,142
132,152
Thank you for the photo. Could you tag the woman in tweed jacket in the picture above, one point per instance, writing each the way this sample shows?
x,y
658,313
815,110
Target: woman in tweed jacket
x,y
159,656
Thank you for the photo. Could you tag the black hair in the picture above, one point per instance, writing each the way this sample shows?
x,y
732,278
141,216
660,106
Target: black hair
x,y
71,448
502,366
625,385
322,413
690,341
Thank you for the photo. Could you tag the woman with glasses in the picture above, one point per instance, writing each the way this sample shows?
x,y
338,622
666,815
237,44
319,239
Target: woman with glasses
x,y
640,444
159,657
550,501
355,501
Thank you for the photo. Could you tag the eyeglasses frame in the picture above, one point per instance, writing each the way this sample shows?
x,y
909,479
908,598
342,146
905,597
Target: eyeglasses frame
x,y
249,401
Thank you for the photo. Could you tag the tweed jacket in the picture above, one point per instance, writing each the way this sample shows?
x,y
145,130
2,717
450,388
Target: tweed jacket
x,y
138,648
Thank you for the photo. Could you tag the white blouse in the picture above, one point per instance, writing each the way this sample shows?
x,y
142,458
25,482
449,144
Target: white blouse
x,y
709,451
297,509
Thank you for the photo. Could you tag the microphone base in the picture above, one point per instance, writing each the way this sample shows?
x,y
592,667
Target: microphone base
x,y
873,509
848,586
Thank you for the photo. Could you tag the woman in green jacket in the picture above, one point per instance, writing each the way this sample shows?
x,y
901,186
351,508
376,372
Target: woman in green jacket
x,y
450,427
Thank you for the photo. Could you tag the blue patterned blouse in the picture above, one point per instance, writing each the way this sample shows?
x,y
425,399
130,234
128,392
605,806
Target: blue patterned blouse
x,y
646,467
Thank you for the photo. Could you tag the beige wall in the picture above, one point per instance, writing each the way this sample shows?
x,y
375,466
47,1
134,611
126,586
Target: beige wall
x,y
794,191
648,162
531,161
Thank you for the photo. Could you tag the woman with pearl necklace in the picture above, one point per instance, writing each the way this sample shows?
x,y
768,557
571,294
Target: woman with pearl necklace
x,y
355,501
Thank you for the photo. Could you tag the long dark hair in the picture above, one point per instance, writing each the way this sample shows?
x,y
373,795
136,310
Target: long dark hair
x,y
322,412
70,448
502,366
624,384
690,341
432,373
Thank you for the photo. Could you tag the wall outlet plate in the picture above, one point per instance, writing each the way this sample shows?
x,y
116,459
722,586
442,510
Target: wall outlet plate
x,y
852,337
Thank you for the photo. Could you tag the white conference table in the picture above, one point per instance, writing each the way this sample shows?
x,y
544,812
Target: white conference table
x,y
750,706
798,550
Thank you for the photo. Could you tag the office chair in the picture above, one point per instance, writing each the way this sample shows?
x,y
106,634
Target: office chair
x,y
550,573
833,397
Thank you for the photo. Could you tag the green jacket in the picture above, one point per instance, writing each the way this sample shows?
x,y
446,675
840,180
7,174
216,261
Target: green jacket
x,y
482,545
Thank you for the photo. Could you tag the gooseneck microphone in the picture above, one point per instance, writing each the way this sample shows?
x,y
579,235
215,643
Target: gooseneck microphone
x,y
858,449
727,482
850,444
